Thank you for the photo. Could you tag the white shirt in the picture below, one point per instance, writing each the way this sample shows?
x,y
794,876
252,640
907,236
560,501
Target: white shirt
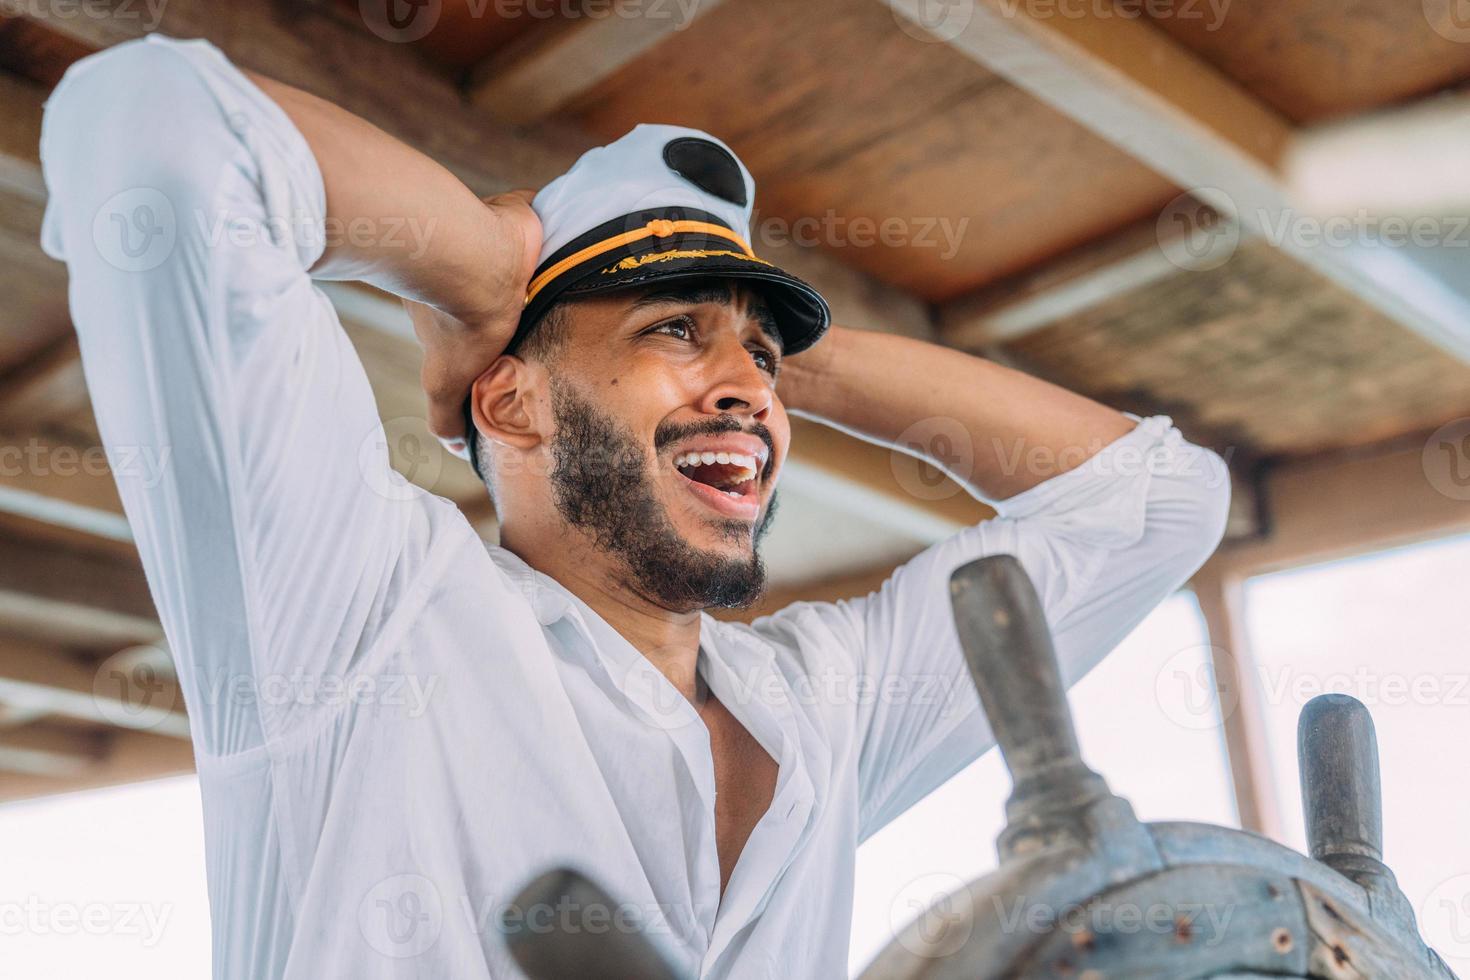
x,y
396,725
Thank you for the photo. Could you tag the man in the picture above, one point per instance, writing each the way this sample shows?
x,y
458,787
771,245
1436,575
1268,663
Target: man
x,y
395,725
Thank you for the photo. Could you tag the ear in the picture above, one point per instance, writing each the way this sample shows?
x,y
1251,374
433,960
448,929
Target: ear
x,y
507,404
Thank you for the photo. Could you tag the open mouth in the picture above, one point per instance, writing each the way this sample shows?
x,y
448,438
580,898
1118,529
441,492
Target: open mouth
x,y
733,474
725,479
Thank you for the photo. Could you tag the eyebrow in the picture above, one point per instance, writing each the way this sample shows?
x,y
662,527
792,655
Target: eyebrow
x,y
695,293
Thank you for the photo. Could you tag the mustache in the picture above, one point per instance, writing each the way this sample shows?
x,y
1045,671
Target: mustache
x,y
671,432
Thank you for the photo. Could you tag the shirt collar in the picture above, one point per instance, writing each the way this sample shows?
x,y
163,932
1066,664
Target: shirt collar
x,y
549,599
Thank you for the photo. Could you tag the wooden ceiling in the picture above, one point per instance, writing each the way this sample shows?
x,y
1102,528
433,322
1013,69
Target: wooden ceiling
x,y
1314,59
1028,169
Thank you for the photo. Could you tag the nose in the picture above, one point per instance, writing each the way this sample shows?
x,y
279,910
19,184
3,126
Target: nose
x,y
736,385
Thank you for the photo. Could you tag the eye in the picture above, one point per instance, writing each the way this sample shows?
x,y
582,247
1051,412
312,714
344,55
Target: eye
x,y
765,359
681,328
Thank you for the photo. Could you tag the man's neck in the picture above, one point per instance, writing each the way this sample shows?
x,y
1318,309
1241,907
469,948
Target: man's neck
x,y
669,640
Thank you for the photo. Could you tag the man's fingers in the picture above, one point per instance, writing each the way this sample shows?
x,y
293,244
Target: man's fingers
x,y
521,195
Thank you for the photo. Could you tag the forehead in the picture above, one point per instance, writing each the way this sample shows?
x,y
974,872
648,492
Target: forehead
x,y
671,296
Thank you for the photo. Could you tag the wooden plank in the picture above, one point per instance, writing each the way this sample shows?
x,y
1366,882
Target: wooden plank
x,y
1311,60
62,483
130,757
47,388
1132,85
453,34
388,86
126,690
1260,353
47,750
1081,280
1241,713
1338,505
547,67
74,596
898,157
20,137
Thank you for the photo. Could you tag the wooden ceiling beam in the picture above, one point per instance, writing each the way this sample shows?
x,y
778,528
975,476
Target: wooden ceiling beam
x,y
470,142
1085,278
44,750
388,85
1139,89
1343,504
128,757
60,483
75,597
48,386
36,677
547,67
20,137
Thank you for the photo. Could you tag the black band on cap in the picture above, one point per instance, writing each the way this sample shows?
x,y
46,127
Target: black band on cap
x,y
548,294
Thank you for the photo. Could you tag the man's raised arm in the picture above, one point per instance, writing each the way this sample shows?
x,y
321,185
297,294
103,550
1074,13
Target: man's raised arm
x,y
191,212
1107,514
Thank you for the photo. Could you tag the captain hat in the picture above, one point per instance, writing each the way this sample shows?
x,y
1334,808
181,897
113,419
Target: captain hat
x,y
660,203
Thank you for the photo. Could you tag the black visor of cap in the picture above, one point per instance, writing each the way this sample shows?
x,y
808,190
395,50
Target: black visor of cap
x,y
801,314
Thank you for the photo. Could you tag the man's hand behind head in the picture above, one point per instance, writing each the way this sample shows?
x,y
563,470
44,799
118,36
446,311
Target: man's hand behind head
x,y
459,345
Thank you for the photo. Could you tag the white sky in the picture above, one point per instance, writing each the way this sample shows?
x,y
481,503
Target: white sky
x,y
111,883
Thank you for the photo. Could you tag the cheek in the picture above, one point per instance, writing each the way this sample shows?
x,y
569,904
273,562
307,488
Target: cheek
x,y
780,425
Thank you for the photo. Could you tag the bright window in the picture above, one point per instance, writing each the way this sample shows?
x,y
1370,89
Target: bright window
x,y
1391,630
108,883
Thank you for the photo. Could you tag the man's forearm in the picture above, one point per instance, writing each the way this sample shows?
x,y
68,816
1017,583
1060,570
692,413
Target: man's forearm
x,y
1022,430
396,218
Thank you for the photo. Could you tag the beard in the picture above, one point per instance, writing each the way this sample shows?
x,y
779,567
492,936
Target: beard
x,y
602,486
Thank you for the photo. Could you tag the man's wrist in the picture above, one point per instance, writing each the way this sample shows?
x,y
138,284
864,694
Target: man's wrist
x,y
802,375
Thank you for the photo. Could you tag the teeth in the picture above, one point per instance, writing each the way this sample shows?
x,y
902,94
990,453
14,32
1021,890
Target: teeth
x,y
748,464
